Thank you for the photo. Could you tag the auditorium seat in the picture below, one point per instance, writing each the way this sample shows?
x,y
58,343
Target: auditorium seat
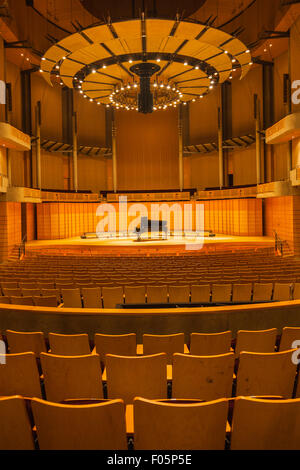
x,y
15,429
135,295
9,285
262,292
260,424
28,285
91,297
210,344
296,291
169,344
171,426
21,300
67,377
256,341
129,377
19,375
288,337
179,294
71,298
202,377
51,293
119,345
80,427
282,292
23,341
157,294
112,296
50,301
69,345
221,293
45,285
200,294
12,292
266,374
4,299
30,292
241,293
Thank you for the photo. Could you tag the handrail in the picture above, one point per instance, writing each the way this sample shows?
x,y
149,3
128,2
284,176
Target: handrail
x,y
278,243
22,247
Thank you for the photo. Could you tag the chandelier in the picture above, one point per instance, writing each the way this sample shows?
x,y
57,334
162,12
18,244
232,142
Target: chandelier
x,y
146,64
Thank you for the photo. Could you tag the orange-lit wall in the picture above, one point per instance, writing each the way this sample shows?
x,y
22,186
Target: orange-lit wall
x,y
147,150
10,227
232,217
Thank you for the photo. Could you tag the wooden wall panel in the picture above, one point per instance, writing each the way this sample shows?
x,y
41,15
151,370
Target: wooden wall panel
x,y
10,227
30,222
229,217
147,150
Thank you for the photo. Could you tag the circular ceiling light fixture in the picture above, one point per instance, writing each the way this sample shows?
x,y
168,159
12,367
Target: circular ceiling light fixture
x,y
190,53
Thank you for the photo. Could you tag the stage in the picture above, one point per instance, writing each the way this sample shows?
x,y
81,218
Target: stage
x,y
130,246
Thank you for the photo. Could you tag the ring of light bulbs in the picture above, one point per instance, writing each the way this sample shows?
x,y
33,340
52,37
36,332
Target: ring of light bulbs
x,y
111,75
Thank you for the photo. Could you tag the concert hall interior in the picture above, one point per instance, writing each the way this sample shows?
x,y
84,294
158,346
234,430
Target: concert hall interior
x,y
149,225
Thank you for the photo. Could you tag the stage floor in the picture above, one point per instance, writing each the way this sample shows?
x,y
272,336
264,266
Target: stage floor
x,y
170,245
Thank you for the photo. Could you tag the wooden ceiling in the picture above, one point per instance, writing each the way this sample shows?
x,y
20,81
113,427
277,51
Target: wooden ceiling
x,y
192,57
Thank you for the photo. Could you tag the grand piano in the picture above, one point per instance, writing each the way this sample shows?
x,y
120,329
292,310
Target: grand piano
x,y
153,226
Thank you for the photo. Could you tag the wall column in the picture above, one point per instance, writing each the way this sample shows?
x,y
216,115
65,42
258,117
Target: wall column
x,y
220,146
38,145
75,152
258,139
180,136
114,151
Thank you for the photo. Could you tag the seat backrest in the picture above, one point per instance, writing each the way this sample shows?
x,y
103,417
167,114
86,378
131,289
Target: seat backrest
x,y
270,374
51,293
221,293
265,424
28,285
69,377
157,294
171,426
46,285
19,375
282,292
262,341
296,291
135,295
21,341
288,336
169,344
241,292
21,300
4,300
30,292
112,296
200,294
80,427
91,297
15,432
71,298
50,301
9,285
12,292
179,294
262,292
210,344
69,345
119,345
128,377
203,377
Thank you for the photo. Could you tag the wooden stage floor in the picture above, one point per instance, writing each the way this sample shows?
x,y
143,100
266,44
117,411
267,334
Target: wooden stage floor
x,y
172,245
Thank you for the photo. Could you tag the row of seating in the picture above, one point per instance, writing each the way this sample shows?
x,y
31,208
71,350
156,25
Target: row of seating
x,y
199,344
109,297
240,424
125,377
